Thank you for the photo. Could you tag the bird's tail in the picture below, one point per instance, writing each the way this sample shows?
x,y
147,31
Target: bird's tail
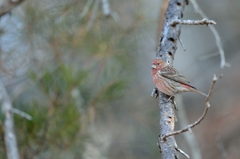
x,y
196,90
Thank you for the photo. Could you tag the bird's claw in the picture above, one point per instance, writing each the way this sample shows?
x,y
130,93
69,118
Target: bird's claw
x,y
174,102
155,93
175,105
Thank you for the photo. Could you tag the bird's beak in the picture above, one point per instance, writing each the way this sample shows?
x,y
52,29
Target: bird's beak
x,y
153,66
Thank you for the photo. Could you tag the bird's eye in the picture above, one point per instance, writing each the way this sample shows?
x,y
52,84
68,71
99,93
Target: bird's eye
x,y
158,64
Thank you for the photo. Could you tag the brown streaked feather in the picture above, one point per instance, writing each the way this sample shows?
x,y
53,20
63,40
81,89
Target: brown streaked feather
x,y
172,74
175,77
169,68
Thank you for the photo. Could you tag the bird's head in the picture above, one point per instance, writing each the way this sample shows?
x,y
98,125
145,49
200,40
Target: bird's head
x,y
158,64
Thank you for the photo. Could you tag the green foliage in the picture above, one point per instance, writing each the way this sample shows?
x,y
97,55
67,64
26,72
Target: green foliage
x,y
50,128
77,73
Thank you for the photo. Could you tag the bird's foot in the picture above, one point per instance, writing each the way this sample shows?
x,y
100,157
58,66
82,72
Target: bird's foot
x,y
174,102
155,93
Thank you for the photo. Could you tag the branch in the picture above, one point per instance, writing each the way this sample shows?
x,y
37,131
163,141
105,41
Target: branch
x,y
189,127
215,33
106,8
93,15
166,50
6,6
9,135
182,152
194,22
181,43
21,113
86,8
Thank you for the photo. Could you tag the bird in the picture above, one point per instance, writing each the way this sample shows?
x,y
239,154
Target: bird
x,y
168,80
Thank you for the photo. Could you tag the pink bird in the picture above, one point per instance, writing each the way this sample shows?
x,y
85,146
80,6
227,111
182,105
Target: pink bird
x,y
169,81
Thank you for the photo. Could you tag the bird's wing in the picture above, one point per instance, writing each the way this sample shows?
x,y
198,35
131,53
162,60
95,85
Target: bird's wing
x,y
175,77
172,74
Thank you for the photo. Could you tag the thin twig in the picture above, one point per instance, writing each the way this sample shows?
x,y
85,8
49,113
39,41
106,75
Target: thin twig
x,y
106,8
93,16
190,130
193,22
9,134
21,113
181,43
159,147
163,138
86,8
215,33
182,152
204,57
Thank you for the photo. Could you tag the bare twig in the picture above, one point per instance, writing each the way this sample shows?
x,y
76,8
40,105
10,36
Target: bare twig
x,y
182,152
159,145
215,33
9,135
204,57
106,8
181,43
21,113
190,129
86,8
93,16
194,22
163,138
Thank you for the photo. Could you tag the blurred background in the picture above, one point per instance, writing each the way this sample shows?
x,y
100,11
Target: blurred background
x,y
84,77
